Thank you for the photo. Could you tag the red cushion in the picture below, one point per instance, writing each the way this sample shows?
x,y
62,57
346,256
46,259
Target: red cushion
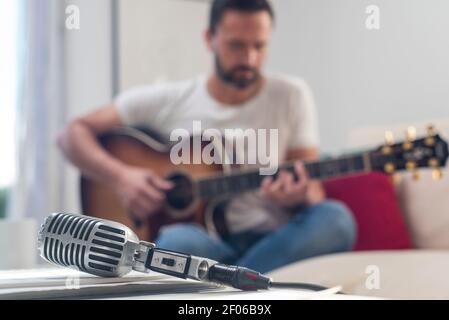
x,y
372,199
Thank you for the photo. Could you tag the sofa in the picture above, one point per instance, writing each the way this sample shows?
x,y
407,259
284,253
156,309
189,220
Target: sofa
x,y
403,231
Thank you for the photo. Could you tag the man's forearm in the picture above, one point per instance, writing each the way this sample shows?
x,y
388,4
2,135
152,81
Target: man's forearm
x,y
80,146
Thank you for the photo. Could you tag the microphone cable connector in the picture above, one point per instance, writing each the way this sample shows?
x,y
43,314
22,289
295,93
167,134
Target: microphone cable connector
x,y
249,280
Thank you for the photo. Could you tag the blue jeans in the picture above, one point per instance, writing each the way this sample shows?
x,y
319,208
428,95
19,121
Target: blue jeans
x,y
327,227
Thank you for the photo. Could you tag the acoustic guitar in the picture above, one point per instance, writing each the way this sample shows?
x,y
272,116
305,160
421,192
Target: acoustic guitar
x,y
200,189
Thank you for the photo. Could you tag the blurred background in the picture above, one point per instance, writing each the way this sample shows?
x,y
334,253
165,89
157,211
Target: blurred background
x,y
52,70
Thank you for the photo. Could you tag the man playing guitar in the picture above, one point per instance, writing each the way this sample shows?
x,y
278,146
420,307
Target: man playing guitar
x,y
288,219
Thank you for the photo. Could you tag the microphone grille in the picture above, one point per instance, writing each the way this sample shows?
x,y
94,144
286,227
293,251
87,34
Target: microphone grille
x,y
87,244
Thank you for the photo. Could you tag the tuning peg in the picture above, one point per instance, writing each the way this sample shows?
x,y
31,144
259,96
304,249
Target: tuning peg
x,y
429,141
411,166
416,176
437,174
411,134
434,163
389,168
389,141
431,131
389,138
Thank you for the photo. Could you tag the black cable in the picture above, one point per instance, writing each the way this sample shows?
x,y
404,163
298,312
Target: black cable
x,y
297,285
247,279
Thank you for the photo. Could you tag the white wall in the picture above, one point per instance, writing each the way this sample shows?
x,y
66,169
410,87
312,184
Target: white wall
x,y
399,73
162,40
88,57
89,74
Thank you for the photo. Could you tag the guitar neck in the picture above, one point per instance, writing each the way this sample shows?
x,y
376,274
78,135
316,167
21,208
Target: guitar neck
x,y
242,181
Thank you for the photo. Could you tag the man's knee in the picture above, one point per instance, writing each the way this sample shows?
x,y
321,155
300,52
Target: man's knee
x,y
339,222
186,238
193,239
332,223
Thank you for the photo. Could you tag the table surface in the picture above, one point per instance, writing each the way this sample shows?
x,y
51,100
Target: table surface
x,y
61,283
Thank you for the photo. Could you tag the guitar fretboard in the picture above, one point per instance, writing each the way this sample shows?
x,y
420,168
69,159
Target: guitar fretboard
x,y
241,181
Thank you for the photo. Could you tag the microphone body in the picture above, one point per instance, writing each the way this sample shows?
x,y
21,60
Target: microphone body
x,y
109,249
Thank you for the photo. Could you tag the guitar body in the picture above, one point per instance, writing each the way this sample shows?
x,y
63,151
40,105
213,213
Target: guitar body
x,y
139,149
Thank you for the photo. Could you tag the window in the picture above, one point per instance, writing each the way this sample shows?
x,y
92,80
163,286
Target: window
x,y
8,90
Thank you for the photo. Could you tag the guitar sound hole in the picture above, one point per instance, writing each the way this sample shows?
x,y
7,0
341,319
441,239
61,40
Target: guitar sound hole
x,y
182,195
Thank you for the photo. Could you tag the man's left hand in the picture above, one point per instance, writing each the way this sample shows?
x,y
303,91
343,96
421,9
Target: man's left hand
x,y
289,192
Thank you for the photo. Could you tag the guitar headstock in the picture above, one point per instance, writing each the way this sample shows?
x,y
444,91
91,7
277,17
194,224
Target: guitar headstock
x,y
427,152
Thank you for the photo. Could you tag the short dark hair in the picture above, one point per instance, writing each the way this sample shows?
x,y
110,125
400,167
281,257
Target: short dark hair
x,y
219,7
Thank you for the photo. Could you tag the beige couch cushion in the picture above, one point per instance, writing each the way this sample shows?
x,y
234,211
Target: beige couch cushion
x,y
406,274
425,204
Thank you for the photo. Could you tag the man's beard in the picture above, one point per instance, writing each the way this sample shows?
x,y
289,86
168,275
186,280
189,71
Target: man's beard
x,y
230,77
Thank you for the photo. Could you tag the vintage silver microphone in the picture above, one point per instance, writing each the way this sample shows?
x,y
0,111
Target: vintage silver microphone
x,y
110,249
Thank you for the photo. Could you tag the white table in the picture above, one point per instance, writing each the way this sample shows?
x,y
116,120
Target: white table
x,y
59,283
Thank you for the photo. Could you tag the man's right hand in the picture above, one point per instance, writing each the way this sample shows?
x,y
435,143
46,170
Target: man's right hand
x,y
141,191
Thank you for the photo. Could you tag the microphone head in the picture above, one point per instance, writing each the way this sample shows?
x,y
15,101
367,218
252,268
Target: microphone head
x,y
99,247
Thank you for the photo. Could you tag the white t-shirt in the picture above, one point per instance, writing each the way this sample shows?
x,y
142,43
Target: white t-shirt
x,y
284,103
